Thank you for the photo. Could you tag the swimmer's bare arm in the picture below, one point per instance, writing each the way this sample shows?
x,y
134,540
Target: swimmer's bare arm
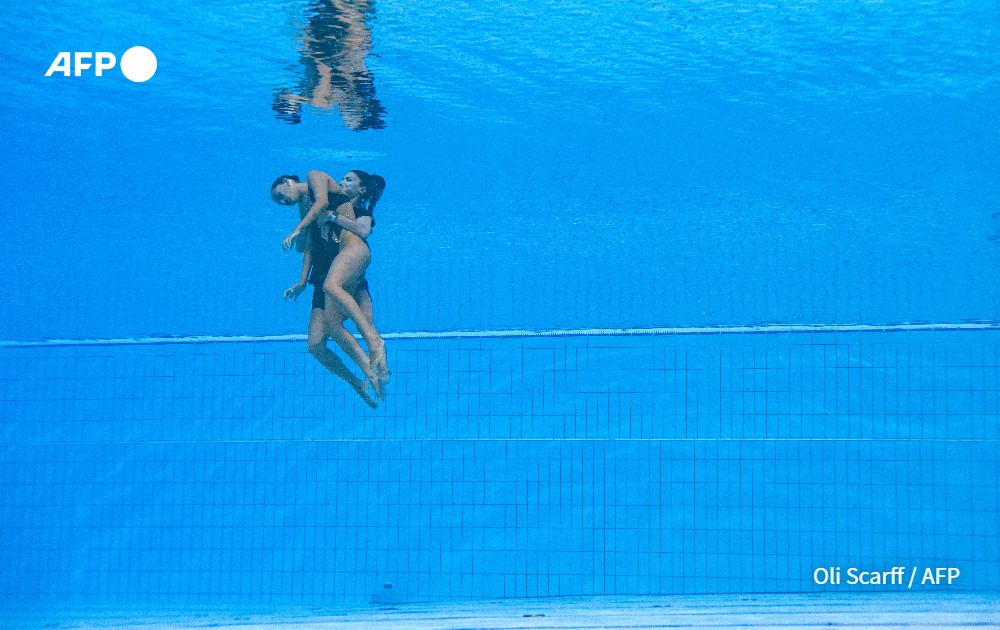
x,y
296,289
319,187
362,226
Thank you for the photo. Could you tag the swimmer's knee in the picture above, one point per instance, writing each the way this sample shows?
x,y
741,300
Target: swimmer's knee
x,y
316,347
337,293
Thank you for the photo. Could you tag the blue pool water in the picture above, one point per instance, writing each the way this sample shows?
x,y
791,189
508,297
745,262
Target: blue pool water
x,y
591,168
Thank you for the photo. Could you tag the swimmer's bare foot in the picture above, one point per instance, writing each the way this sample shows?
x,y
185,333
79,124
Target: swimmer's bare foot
x,y
379,366
361,387
383,374
376,384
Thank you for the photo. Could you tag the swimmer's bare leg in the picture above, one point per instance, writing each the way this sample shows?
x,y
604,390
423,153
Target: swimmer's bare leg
x,y
343,338
329,360
383,374
346,272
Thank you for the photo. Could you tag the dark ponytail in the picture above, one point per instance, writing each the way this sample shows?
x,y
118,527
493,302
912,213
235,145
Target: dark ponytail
x,y
374,185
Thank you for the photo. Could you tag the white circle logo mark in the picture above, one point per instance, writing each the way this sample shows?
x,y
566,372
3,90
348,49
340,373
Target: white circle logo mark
x,y
138,64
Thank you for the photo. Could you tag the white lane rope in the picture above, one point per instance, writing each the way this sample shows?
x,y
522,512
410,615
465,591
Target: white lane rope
x,y
488,334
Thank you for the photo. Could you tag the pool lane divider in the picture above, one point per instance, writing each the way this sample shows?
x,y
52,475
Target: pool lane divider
x,y
493,334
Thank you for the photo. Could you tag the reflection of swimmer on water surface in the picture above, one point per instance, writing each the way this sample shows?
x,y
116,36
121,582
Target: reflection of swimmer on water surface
x,y
334,44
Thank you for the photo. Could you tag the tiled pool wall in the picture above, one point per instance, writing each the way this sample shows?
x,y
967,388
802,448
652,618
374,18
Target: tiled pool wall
x,y
500,467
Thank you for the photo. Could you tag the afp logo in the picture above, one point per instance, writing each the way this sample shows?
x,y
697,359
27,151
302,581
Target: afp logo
x,y
138,64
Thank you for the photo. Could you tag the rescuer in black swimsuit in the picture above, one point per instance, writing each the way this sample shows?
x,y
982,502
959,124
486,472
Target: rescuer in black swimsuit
x,y
347,272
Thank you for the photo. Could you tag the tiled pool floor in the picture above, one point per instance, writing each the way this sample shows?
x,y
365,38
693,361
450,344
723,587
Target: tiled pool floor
x,y
882,610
